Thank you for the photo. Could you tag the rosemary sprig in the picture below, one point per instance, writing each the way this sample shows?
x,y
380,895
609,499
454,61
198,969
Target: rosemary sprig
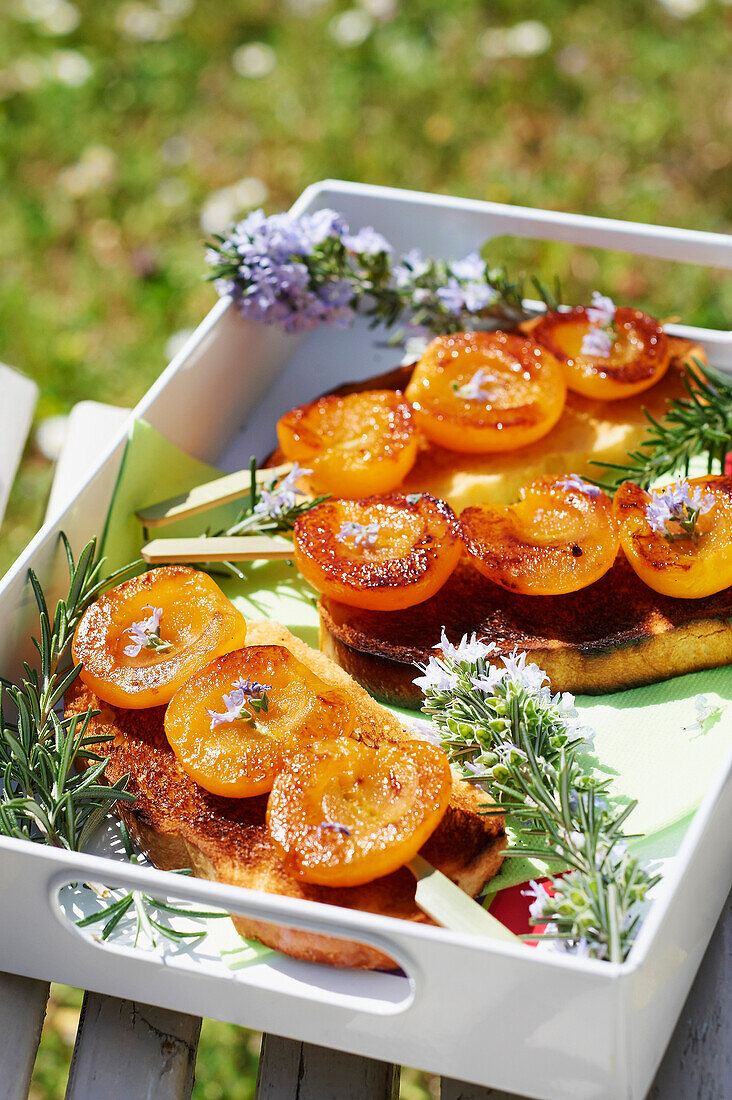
x,y
700,424
309,271
43,798
271,508
504,730
141,906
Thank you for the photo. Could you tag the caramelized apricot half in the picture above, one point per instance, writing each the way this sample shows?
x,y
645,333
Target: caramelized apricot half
x,y
142,640
670,559
235,723
560,537
346,819
355,445
479,392
636,351
380,553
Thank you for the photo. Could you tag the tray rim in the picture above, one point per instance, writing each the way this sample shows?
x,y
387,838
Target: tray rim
x,y
64,863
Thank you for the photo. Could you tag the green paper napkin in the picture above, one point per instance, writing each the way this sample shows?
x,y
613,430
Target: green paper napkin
x,y
646,738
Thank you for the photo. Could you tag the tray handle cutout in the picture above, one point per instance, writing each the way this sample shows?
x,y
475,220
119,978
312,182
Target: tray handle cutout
x,y
219,952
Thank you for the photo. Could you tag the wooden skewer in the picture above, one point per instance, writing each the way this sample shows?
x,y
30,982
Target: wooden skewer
x,y
226,548
209,495
451,907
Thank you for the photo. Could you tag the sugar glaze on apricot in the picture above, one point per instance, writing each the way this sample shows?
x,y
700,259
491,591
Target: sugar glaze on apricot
x,y
415,550
687,567
558,538
638,358
479,392
198,623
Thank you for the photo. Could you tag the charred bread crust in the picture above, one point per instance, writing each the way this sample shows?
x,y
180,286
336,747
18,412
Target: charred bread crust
x,y
178,824
615,634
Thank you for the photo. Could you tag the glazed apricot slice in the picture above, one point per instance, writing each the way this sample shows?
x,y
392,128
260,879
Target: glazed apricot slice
x,y
355,445
478,392
380,553
679,539
139,642
346,819
234,725
617,355
559,537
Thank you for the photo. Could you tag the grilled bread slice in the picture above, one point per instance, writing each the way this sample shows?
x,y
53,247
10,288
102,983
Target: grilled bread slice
x,y
178,824
588,431
616,633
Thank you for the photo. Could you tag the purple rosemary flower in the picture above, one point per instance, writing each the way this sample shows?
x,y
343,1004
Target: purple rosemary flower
x,y
146,634
245,691
602,310
413,266
280,498
469,297
336,827
597,342
367,240
366,533
677,504
473,389
471,268
573,482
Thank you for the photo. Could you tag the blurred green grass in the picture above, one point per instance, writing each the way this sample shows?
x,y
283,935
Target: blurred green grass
x,y
124,125
120,120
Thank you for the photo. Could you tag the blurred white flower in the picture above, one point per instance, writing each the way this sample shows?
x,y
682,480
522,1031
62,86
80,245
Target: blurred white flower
x,y
528,39
143,22
69,67
572,60
52,17
173,191
176,9
682,9
27,72
254,60
351,28
176,149
379,9
305,7
95,170
224,207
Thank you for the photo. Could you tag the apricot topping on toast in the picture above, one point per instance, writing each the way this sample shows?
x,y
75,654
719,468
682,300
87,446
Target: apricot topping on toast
x,y
141,641
618,354
560,537
234,724
354,445
345,818
381,553
679,539
479,392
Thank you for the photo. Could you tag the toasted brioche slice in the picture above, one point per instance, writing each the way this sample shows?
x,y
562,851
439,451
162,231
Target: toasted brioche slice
x,y
588,431
178,824
615,634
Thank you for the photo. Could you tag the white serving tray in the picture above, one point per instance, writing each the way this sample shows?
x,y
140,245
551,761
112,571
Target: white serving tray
x,y
496,1014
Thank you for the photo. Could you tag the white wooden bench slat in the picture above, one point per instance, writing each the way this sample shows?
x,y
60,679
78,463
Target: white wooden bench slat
x,y
289,1069
131,1051
18,397
22,1010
